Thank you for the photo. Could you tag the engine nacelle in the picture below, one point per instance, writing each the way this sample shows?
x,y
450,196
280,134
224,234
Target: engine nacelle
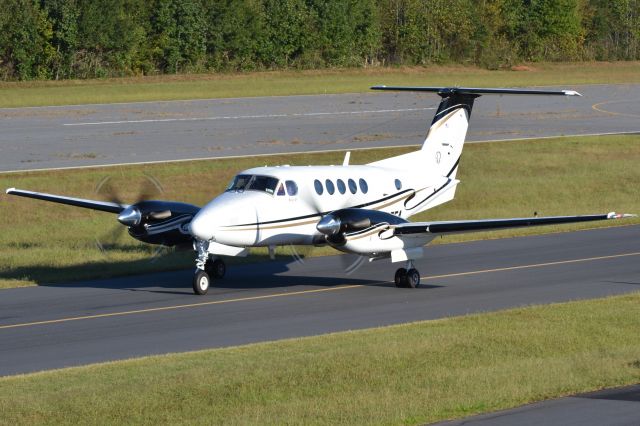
x,y
338,224
366,232
159,222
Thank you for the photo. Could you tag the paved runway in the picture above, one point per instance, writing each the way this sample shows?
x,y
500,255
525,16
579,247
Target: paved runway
x,y
611,407
70,136
64,325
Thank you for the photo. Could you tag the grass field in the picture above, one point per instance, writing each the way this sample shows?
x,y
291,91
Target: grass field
x,y
305,82
407,374
44,242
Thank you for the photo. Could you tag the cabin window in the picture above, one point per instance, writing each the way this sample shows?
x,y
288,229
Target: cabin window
x,y
341,186
241,183
281,189
352,186
318,185
330,188
292,188
398,184
363,186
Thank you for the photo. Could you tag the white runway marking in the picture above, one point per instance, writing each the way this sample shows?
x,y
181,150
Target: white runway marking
x,y
241,117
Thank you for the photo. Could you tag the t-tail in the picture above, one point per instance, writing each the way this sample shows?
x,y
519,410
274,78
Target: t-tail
x,y
443,146
441,151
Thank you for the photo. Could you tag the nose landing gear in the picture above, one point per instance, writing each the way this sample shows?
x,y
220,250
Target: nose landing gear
x,y
207,269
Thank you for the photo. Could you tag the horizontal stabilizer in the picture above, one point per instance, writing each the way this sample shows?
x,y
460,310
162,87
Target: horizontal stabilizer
x,y
462,226
104,206
448,91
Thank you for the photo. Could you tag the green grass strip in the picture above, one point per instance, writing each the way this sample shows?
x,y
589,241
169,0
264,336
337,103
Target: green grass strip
x,y
407,374
280,83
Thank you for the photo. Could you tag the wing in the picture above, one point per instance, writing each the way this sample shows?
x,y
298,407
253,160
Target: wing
x,y
461,226
104,206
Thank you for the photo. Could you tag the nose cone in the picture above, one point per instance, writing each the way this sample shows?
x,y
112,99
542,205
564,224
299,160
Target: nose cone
x,y
329,225
130,216
201,227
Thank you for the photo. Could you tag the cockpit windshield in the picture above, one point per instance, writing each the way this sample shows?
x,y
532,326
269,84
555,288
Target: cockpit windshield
x,y
253,183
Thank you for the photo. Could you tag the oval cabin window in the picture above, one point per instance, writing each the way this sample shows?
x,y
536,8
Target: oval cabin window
x,y
363,186
330,188
318,185
352,186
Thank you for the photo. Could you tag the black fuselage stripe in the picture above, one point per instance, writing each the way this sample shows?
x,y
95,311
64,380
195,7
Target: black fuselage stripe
x,y
454,167
428,197
320,214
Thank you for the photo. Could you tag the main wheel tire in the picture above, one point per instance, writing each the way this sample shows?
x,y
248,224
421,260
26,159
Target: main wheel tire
x,y
401,278
218,269
413,278
201,282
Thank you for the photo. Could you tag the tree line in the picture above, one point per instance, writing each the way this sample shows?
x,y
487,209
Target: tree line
x,y
61,39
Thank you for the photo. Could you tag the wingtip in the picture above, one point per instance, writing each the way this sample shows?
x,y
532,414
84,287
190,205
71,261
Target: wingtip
x,y
10,190
614,215
571,93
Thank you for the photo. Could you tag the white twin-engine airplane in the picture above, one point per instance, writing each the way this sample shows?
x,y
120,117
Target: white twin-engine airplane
x,y
361,209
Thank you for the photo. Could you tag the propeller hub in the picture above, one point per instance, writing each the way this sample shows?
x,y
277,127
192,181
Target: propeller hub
x,y
130,216
329,225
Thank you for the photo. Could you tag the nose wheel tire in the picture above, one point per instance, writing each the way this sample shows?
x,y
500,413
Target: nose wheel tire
x,y
215,268
201,282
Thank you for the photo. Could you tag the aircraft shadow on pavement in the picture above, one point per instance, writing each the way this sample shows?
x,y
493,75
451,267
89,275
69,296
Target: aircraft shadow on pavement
x,y
259,275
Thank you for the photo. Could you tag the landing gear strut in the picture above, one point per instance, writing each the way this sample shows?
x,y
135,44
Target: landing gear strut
x,y
207,268
408,277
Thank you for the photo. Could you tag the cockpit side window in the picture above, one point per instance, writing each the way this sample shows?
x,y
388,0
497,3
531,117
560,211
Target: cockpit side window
x,y
239,183
292,188
281,189
253,183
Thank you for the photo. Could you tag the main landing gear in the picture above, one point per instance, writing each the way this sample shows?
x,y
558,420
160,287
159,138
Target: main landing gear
x,y
207,269
408,277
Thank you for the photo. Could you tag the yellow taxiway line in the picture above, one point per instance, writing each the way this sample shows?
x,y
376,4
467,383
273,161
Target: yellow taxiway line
x,y
303,292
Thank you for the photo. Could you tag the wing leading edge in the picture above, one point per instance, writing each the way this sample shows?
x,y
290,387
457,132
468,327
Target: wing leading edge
x,y
104,206
462,226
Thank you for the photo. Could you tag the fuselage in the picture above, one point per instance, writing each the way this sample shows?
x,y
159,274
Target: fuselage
x,y
282,205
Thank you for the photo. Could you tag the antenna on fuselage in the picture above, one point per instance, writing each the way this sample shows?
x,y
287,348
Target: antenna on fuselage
x,y
347,156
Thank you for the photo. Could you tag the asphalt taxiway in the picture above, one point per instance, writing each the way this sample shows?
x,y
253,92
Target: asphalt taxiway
x,y
75,136
611,407
60,325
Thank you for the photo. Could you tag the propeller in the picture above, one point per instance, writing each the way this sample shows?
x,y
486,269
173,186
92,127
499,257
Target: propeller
x,y
131,215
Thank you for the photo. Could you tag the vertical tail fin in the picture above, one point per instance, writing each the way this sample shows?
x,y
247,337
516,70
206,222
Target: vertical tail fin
x,y
448,131
443,146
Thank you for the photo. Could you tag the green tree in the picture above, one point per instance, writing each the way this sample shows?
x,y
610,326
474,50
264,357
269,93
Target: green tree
x,y
63,15
235,31
26,51
179,27
289,32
